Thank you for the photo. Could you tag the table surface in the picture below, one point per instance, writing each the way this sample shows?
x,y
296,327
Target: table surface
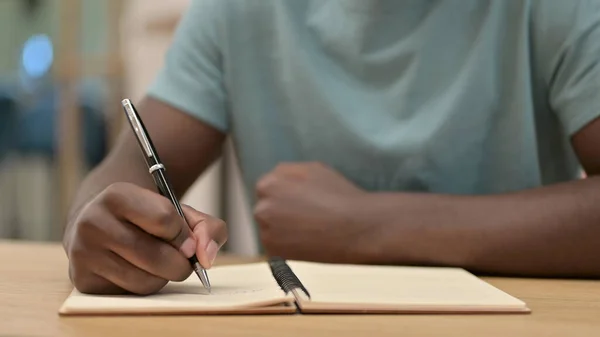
x,y
34,283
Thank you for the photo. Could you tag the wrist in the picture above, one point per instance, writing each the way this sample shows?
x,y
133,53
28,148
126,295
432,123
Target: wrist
x,y
367,227
403,228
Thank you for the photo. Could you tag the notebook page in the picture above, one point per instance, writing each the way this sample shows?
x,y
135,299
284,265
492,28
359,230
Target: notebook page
x,y
400,287
233,287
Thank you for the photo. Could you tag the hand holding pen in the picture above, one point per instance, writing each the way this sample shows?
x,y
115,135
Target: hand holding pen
x,y
129,239
158,171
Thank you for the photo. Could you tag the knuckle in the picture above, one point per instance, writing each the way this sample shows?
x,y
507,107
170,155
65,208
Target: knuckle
x,y
82,284
92,224
112,195
168,218
77,253
264,184
216,225
115,187
85,220
88,219
85,284
222,231
262,212
215,228
165,214
82,278
220,224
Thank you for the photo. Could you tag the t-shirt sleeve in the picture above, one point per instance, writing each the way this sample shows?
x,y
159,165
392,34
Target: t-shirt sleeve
x,y
191,78
574,74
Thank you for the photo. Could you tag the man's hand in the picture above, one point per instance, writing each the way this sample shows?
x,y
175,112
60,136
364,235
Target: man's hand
x,y
304,211
129,239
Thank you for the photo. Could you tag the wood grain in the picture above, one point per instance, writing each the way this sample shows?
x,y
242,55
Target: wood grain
x,y
34,283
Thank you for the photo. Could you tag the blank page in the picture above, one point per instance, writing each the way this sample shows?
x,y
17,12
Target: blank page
x,y
362,288
234,288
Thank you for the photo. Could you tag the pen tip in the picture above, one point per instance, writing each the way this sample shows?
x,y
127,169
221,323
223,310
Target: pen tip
x,y
202,276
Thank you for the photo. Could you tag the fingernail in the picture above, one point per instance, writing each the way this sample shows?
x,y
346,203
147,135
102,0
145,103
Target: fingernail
x,y
188,247
211,251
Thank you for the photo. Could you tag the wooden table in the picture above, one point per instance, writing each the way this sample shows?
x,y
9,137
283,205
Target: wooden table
x,y
34,283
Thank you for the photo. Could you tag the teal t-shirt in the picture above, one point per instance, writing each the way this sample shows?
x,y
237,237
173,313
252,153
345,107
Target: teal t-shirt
x,y
446,96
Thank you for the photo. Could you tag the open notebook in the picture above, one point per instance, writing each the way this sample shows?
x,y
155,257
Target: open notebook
x,y
278,286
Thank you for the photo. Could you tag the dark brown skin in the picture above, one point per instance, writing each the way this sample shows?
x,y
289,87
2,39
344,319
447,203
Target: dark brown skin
x,y
308,211
123,238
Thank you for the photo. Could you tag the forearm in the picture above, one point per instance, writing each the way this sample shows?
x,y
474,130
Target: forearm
x,y
173,133
549,231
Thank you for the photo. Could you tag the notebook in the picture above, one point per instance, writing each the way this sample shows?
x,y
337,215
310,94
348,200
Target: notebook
x,y
279,286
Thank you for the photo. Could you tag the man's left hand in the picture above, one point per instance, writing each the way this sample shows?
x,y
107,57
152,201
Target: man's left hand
x,y
305,211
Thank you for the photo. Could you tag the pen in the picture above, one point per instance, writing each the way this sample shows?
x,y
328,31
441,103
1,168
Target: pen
x,y
157,170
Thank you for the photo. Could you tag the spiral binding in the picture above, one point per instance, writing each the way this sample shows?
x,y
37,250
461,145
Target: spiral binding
x,y
284,276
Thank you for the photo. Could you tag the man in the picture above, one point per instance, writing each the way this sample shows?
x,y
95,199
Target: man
x,y
368,131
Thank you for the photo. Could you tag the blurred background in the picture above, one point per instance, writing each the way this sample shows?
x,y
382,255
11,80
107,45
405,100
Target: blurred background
x,y
65,65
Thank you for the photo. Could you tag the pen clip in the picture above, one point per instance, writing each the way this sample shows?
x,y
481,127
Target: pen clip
x,y
137,126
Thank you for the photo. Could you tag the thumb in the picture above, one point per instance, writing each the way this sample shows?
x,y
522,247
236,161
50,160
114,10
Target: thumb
x,y
209,232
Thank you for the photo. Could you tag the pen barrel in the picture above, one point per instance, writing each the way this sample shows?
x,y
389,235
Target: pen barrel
x,y
164,188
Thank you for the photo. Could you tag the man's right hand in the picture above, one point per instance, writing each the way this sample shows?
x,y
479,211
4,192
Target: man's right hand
x,y
132,240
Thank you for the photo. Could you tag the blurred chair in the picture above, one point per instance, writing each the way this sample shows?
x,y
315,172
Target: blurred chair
x,y
8,118
32,173
37,128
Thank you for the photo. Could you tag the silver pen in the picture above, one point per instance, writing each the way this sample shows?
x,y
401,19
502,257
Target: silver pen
x,y
157,170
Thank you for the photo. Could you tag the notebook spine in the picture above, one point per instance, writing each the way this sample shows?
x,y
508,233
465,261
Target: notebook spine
x,y
285,277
